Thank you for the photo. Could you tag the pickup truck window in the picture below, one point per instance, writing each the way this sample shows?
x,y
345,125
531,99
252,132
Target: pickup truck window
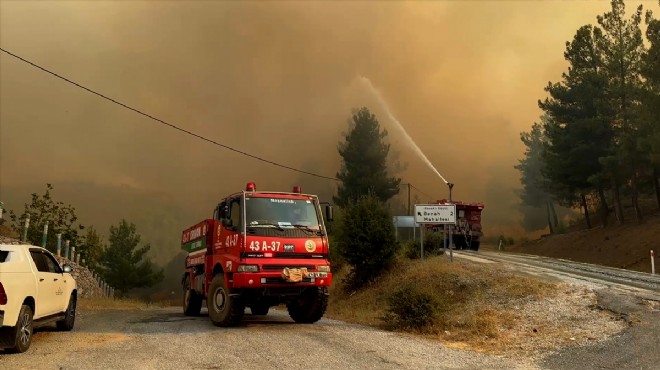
x,y
3,256
45,262
40,261
53,266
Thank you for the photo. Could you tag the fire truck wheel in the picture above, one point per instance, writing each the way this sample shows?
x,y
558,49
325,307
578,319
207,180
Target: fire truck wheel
x,y
259,309
310,306
224,309
192,302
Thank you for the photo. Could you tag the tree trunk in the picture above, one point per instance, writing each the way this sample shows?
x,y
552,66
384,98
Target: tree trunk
x,y
635,196
604,210
618,210
656,185
555,221
586,210
549,214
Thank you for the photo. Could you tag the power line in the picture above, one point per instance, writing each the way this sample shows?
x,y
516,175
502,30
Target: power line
x,y
164,122
423,193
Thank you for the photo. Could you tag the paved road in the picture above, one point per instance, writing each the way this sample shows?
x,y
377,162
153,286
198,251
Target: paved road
x,y
165,339
635,295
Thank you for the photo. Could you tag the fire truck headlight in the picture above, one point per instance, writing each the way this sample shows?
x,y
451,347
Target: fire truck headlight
x,y
324,268
248,268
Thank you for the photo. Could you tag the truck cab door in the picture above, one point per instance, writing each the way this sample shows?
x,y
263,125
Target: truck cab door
x,y
60,284
232,226
45,301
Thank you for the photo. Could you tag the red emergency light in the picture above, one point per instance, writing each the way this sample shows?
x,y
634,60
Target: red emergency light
x,y
251,187
297,189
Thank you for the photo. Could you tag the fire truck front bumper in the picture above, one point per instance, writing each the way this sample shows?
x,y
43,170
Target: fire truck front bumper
x,y
272,280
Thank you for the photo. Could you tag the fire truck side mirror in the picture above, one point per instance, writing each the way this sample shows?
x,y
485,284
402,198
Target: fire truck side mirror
x,y
328,212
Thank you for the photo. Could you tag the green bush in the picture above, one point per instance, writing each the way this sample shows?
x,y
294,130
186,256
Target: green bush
x,y
366,240
432,246
411,249
334,255
410,309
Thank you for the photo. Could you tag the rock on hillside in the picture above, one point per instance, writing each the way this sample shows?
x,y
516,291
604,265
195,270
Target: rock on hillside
x,y
87,284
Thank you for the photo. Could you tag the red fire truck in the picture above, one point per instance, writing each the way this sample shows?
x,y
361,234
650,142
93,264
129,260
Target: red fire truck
x,y
259,250
466,234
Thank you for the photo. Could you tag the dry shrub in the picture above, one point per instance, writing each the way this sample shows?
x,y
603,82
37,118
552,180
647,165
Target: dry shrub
x,y
410,309
459,301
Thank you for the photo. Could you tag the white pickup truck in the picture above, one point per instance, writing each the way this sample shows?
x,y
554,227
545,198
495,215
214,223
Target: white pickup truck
x,y
34,291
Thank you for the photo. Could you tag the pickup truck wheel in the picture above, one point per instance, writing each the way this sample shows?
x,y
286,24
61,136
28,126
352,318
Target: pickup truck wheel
x,y
66,324
192,302
310,306
22,333
224,309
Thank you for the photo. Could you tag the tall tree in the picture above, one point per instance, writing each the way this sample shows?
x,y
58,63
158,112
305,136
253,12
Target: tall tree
x,y
92,250
44,209
577,131
124,265
365,153
622,47
531,167
651,100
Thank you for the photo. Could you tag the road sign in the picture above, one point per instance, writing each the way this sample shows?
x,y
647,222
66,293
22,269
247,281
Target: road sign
x,y
435,214
404,221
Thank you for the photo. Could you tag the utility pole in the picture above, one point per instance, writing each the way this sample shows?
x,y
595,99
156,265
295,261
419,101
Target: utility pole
x,y
409,210
451,238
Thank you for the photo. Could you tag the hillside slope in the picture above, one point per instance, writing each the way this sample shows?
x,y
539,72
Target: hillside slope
x,y
624,246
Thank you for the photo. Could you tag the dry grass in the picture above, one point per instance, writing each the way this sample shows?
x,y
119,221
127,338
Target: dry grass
x,y
477,304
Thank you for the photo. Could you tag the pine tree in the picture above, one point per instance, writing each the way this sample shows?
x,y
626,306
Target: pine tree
x,y
651,100
122,265
364,154
534,193
622,47
577,131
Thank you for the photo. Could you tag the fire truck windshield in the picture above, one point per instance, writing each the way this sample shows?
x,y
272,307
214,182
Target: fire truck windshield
x,y
281,213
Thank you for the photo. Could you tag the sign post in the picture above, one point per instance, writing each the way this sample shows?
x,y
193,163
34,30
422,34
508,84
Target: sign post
x,y
435,214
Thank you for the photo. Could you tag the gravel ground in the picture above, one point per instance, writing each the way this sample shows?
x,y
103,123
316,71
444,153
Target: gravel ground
x,y
589,324
165,339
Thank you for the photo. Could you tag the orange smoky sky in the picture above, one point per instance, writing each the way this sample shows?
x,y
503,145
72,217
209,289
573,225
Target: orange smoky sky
x,y
277,80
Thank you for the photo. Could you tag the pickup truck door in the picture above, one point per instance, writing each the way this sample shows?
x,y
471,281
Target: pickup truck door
x,y
61,300
46,285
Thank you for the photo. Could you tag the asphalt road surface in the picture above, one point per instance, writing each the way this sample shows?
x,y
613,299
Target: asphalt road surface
x,y
635,295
